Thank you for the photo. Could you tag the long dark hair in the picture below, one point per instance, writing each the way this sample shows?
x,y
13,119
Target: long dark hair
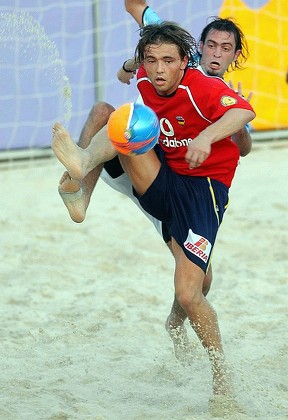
x,y
168,33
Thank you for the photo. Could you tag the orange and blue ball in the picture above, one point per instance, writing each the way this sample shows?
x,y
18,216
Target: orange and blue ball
x,y
133,128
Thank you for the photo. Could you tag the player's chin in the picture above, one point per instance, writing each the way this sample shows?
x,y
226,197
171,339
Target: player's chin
x,y
214,73
164,91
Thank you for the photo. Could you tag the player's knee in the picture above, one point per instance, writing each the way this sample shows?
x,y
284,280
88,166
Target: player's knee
x,y
189,298
101,110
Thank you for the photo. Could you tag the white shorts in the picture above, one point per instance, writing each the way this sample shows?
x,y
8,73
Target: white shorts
x,y
123,185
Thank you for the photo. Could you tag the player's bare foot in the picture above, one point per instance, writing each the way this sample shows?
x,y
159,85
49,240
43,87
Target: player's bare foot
x,y
69,154
74,197
182,347
223,403
226,406
222,377
222,383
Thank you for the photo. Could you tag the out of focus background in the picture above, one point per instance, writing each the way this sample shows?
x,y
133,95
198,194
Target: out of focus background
x,y
60,57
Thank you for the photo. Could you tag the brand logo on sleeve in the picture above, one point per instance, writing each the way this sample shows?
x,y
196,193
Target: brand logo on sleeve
x,y
228,101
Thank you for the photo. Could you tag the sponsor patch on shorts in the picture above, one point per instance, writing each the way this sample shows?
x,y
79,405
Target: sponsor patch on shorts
x,y
198,245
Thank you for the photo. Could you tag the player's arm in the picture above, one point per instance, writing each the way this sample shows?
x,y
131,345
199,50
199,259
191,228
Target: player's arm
x,y
144,15
136,9
242,138
230,123
128,70
141,12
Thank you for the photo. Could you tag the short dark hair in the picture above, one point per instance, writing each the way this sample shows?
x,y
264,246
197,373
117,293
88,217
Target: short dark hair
x,y
168,33
229,25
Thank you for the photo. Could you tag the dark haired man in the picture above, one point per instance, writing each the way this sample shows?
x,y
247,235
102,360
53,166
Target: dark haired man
x,y
185,186
222,47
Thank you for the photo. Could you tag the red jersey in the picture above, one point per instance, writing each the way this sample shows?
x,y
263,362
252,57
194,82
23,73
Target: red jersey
x,y
198,102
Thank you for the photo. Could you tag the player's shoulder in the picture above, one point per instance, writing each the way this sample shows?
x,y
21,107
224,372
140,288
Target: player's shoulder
x,y
198,76
213,79
193,74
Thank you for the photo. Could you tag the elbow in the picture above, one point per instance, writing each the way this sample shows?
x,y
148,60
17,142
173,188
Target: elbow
x,y
129,7
136,9
251,116
245,150
243,141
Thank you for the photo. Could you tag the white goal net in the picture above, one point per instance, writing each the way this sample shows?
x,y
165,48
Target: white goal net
x,y
60,57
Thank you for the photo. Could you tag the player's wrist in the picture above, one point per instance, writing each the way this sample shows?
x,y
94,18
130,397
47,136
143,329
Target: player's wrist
x,y
125,69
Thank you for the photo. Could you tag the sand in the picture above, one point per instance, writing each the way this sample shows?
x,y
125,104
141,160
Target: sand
x,y
83,306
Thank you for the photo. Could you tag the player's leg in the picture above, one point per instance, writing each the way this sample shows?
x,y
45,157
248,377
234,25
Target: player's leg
x,y
75,194
175,322
141,169
135,168
80,162
203,319
114,176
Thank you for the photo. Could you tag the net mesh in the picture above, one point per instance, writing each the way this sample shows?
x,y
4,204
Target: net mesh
x,y
60,57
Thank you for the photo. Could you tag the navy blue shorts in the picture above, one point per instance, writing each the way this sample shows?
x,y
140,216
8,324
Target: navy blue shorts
x,y
191,207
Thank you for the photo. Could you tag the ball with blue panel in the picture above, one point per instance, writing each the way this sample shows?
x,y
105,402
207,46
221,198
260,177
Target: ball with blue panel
x,y
133,128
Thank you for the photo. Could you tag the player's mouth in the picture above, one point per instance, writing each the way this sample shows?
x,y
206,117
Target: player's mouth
x,y
214,65
159,81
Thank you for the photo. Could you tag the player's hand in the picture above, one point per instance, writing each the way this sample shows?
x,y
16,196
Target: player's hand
x,y
198,151
240,91
125,77
128,71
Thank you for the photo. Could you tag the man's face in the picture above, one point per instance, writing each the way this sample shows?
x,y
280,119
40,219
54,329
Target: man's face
x,y
164,67
218,52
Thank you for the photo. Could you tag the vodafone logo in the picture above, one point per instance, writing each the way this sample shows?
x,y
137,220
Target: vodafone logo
x,y
170,140
166,127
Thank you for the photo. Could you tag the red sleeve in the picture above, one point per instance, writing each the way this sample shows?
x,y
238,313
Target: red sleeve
x,y
219,98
